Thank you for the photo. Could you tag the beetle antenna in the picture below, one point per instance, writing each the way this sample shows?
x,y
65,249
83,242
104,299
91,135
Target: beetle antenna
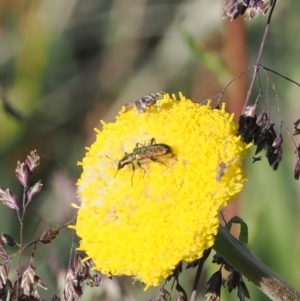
x,y
115,162
111,159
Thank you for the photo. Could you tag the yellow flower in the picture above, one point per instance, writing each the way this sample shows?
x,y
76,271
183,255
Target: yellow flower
x,y
143,222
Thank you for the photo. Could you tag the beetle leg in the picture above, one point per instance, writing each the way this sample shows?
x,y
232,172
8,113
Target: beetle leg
x,y
157,161
133,170
140,166
152,142
138,145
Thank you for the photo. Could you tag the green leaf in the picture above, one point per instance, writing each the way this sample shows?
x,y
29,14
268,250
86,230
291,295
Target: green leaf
x,y
243,236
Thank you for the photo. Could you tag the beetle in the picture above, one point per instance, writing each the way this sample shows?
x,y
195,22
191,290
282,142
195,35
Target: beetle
x,y
141,152
141,104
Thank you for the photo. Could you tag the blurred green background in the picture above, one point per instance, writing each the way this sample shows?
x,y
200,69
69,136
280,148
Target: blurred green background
x,y
64,65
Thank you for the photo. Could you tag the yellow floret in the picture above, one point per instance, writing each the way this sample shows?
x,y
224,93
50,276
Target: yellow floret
x,y
142,223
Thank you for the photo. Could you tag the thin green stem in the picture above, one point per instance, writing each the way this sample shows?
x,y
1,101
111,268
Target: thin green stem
x,y
259,56
252,268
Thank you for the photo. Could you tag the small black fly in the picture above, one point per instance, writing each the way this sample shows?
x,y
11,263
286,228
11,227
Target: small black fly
x,y
141,104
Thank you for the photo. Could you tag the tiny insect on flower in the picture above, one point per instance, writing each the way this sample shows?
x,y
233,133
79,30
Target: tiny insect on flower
x,y
222,168
141,152
141,104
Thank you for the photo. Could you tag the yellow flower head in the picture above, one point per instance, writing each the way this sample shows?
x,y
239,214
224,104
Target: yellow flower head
x,y
141,217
